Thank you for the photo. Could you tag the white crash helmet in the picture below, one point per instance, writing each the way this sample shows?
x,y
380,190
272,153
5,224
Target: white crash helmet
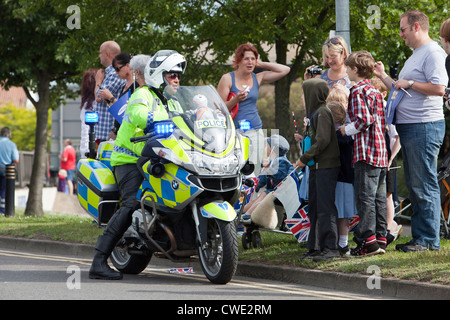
x,y
163,61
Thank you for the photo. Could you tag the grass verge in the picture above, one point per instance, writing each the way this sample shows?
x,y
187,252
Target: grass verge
x,y
277,249
428,266
57,227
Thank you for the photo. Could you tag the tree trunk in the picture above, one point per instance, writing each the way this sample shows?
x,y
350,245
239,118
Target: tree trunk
x,y
282,94
34,203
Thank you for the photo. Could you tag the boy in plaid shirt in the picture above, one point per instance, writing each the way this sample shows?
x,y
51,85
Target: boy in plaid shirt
x,y
367,127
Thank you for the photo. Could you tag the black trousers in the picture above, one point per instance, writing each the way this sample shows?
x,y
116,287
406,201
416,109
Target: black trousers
x,y
322,211
129,179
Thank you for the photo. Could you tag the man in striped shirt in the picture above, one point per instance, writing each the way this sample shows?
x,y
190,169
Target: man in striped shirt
x,y
369,155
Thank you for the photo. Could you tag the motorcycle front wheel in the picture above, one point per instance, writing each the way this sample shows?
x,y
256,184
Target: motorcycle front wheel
x,y
128,263
219,254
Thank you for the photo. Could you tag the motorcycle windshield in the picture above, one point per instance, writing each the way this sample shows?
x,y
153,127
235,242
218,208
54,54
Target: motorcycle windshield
x,y
203,114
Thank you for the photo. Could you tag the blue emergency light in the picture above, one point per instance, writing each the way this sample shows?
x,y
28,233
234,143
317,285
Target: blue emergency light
x,y
91,118
164,128
245,125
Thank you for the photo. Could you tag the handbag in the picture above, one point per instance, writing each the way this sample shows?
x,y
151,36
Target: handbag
x,y
307,141
235,109
306,144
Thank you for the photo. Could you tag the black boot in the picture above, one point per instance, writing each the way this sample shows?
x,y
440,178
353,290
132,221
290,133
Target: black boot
x,y
100,268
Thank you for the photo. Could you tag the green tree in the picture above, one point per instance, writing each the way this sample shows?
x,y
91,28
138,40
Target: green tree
x,y
22,123
383,40
29,38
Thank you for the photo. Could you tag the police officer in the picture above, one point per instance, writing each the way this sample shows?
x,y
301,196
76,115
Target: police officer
x,y
145,106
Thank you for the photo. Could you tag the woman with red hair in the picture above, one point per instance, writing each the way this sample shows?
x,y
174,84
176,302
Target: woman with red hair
x,y
239,89
244,83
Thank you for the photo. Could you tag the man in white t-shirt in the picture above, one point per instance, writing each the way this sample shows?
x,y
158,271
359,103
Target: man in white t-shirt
x,y
421,126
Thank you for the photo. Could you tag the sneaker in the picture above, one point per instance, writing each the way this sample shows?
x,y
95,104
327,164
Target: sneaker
x,y
367,247
382,243
309,254
389,238
246,219
413,247
397,232
327,254
400,246
344,251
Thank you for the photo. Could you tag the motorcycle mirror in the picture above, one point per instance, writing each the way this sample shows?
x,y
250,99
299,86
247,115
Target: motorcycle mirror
x,y
248,168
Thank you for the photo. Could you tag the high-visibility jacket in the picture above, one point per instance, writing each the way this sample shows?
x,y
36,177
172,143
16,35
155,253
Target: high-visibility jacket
x,y
144,107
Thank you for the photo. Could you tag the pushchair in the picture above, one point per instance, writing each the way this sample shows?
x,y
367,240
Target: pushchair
x,y
273,217
444,188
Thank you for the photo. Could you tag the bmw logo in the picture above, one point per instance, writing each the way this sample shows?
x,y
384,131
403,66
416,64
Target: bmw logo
x,y
175,185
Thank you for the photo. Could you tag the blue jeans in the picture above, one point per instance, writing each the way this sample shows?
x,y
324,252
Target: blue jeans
x,y
370,200
420,144
2,194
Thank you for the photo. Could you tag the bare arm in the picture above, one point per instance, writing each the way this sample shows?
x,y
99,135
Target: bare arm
x,y
276,72
426,88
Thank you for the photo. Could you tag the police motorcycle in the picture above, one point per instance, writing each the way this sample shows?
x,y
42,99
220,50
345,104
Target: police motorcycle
x,y
192,167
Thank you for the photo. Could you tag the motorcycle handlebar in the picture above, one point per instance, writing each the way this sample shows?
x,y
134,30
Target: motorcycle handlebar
x,y
139,139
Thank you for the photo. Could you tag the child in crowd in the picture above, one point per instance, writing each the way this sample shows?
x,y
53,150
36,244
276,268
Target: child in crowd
x,y
368,123
393,147
345,199
62,176
337,102
275,169
323,235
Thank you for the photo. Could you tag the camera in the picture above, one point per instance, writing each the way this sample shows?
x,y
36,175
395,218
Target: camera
x,y
314,71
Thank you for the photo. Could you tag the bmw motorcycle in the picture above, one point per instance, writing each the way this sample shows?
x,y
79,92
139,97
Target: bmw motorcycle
x,y
192,166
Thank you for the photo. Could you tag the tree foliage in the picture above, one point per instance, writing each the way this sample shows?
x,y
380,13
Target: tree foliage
x,y
40,52
22,123
29,38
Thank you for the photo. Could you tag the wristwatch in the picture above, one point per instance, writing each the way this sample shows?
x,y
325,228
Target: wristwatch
x,y
411,82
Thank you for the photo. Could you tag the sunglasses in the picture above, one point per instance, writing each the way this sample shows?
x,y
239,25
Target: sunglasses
x,y
333,41
404,28
119,68
173,76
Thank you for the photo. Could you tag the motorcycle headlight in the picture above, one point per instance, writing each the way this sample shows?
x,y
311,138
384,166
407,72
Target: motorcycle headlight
x,y
210,165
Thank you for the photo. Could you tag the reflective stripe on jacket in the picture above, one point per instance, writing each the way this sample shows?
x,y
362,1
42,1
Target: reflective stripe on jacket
x,y
144,108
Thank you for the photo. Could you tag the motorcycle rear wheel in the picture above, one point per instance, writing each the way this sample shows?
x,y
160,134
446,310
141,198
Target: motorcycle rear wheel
x,y
219,254
128,263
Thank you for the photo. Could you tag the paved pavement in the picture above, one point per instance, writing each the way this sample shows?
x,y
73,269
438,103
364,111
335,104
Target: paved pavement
x,y
348,282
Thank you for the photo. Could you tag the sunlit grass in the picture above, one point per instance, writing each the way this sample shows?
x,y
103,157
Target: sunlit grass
x,y
427,266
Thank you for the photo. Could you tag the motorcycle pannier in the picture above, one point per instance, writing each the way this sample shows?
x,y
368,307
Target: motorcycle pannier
x,y
98,193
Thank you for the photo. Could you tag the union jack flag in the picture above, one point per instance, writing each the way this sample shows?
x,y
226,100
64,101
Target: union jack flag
x,y
353,223
246,194
182,270
299,224
287,192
